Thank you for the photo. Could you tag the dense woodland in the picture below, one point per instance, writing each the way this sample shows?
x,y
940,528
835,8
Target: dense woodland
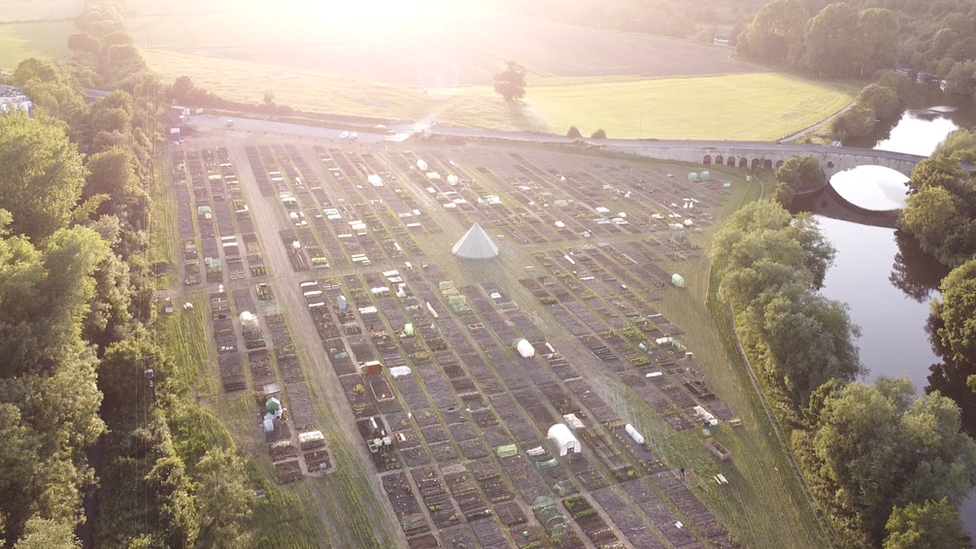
x,y
77,318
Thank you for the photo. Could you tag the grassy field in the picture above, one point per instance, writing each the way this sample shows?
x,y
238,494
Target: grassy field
x,y
44,39
756,106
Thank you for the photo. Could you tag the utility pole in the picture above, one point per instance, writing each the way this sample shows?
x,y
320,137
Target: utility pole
x,y
640,125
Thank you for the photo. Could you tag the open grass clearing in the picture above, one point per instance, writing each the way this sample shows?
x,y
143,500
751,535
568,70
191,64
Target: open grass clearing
x,y
23,40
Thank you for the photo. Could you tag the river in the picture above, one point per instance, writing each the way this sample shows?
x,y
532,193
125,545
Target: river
x,y
893,340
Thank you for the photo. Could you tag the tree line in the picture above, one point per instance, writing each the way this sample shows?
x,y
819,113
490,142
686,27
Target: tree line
x,y
77,317
940,213
891,470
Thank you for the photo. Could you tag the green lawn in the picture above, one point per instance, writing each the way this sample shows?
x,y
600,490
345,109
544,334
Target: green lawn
x,y
44,39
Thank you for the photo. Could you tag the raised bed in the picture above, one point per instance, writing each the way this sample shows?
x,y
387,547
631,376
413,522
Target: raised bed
x,y
287,471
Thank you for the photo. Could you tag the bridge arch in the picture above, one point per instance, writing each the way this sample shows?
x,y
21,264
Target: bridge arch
x,y
767,164
756,163
779,164
731,162
719,160
707,160
743,162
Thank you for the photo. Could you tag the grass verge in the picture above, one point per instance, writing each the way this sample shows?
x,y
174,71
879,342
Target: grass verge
x,y
162,251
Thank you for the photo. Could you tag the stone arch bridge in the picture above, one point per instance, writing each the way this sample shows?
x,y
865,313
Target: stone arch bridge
x,y
756,155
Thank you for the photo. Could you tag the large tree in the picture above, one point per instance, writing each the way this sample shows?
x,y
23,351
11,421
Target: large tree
x,y
810,341
799,174
224,500
880,99
932,215
41,175
510,83
937,171
876,41
42,533
775,32
831,41
931,525
940,213
877,448
952,331
762,246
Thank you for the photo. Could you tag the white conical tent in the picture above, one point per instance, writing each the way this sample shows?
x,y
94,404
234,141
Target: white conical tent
x,y
475,244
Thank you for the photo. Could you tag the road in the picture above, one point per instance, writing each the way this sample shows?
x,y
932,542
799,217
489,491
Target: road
x,y
246,127
254,127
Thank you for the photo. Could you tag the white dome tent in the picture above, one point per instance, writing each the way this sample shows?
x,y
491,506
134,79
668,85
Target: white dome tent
x,y
475,244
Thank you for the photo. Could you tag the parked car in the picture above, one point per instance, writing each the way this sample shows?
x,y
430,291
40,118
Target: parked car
x,y
353,136
343,135
230,123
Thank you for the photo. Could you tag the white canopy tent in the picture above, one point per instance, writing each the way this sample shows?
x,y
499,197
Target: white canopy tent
x,y
525,348
475,244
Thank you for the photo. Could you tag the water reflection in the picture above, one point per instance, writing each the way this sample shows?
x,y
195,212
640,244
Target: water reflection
x,y
893,339
873,188
914,272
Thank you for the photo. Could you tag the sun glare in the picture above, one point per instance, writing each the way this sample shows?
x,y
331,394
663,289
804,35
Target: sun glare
x,y
378,11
